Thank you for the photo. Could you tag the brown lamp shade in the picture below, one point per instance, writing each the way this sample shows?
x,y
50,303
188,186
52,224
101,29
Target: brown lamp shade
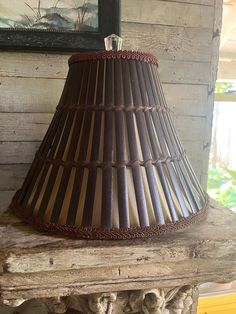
x,y
111,165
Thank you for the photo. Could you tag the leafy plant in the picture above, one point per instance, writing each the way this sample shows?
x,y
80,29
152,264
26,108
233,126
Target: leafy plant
x,y
222,186
223,87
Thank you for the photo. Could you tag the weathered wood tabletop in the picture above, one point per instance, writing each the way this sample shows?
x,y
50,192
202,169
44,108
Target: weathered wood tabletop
x,y
35,265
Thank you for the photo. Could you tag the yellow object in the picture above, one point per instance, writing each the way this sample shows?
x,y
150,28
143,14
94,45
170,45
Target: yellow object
x,y
217,304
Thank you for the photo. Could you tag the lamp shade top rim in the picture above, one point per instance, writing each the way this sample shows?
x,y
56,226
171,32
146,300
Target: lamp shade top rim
x,y
120,54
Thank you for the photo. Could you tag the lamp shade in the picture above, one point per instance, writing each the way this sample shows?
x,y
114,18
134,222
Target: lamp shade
x,y
111,165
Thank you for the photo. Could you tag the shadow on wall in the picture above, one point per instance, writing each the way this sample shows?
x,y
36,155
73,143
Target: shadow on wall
x,y
29,307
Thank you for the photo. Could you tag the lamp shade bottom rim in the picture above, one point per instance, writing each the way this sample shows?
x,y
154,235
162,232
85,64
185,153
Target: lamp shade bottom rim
x,y
74,231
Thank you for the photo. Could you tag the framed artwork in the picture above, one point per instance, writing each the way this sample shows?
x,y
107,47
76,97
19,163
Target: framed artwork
x,y
57,25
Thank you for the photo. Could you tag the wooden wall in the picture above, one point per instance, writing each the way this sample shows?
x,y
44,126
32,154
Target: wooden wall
x,y
184,34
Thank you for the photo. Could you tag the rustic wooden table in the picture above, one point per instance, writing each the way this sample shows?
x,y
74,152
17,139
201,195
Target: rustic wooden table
x,y
158,275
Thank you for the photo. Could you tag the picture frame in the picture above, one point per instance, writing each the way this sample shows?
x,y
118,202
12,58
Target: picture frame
x,y
15,38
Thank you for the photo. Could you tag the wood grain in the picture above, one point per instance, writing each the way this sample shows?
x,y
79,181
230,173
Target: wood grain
x,y
23,126
169,43
189,128
34,265
183,72
64,283
182,99
199,2
17,152
167,13
194,149
185,99
38,65
5,199
12,176
23,152
42,94
32,126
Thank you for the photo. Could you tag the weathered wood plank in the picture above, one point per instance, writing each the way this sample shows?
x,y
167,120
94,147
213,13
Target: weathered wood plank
x,y
23,126
150,276
32,126
167,13
186,99
20,64
83,288
12,176
172,72
17,152
190,128
183,72
169,43
23,152
34,265
5,199
92,253
43,95
80,259
194,149
200,2
88,274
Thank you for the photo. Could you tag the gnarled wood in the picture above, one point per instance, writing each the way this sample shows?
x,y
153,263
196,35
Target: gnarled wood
x,y
37,265
177,300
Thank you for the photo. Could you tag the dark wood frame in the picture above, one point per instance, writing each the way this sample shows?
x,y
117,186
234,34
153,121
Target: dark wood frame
x,y
109,22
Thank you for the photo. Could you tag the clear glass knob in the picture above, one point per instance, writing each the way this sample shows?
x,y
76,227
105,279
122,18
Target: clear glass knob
x,y
113,42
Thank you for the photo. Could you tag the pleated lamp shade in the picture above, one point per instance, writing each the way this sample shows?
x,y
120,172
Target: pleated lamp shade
x,y
111,165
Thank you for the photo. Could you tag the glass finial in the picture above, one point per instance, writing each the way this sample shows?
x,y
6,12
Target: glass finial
x,y
113,42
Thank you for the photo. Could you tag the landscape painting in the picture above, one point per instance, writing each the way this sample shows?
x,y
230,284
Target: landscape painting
x,y
57,25
50,15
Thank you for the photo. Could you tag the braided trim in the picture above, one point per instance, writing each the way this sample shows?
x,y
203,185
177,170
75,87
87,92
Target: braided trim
x,y
112,164
121,54
106,234
114,108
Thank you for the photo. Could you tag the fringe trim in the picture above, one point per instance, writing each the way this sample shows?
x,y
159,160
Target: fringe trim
x,y
105,234
121,54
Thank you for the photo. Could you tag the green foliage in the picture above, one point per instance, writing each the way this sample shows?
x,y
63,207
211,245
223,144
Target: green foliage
x,y
223,87
222,186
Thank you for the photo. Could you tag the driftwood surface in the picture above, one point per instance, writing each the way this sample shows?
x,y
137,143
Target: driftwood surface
x,y
34,265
